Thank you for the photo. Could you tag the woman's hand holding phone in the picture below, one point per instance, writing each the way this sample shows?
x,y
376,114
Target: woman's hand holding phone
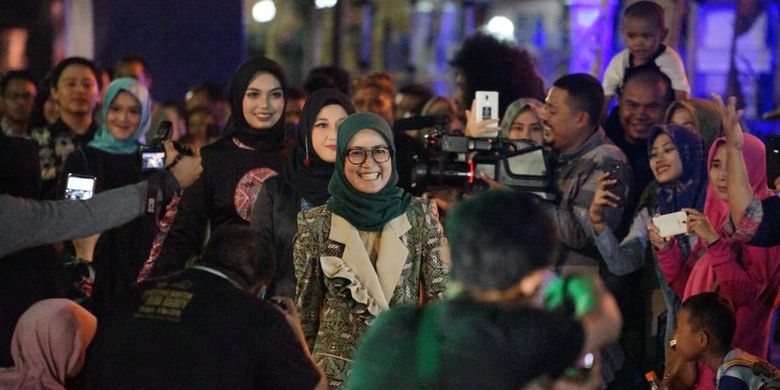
x,y
659,243
699,225
603,197
474,128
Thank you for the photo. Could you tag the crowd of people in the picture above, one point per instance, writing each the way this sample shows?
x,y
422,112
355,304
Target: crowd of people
x,y
288,242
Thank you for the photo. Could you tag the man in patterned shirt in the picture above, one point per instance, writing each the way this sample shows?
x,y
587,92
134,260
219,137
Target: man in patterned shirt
x,y
572,115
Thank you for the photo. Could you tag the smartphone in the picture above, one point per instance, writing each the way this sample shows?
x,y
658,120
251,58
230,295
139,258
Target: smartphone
x,y
671,224
152,160
79,187
615,169
486,107
772,160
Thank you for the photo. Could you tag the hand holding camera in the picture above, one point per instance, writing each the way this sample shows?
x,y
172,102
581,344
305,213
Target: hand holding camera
x,y
186,170
154,157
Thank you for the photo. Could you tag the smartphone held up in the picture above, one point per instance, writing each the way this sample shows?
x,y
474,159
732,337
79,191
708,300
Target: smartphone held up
x,y
671,224
79,187
487,108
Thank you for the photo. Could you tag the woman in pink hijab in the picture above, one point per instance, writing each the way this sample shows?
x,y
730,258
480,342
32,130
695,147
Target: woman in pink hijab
x,y
49,345
748,276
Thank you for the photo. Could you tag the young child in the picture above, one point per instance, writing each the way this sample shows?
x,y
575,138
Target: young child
x,y
703,331
644,30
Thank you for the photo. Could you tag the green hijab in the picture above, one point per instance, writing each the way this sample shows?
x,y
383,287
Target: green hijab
x,y
368,212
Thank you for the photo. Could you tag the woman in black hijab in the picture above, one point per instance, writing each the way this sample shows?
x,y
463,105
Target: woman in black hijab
x,y
251,150
304,183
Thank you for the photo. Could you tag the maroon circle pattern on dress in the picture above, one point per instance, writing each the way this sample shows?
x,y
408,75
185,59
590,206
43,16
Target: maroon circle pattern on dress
x,y
248,188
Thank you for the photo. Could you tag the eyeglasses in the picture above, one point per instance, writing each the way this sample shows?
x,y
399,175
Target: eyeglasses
x,y
380,154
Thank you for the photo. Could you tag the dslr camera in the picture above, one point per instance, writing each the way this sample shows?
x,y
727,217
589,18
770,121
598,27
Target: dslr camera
x,y
153,154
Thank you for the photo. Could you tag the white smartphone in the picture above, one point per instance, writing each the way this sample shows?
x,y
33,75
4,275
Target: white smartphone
x,y
79,187
671,224
486,107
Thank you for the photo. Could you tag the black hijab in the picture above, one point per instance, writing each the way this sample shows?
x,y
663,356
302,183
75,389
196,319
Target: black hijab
x,y
311,182
264,140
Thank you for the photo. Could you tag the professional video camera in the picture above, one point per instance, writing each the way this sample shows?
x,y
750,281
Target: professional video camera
x,y
153,155
520,165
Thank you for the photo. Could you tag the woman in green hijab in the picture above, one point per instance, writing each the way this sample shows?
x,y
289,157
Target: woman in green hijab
x,y
370,247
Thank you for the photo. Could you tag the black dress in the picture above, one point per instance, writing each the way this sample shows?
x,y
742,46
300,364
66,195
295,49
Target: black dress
x,y
121,251
276,213
225,193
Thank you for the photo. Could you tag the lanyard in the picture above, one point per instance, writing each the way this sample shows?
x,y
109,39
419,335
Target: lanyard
x,y
220,274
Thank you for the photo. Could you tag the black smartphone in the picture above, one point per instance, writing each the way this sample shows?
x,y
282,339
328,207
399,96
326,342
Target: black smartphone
x,y
79,187
772,160
615,169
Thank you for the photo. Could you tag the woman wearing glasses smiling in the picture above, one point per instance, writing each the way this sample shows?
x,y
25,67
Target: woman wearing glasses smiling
x,y
370,247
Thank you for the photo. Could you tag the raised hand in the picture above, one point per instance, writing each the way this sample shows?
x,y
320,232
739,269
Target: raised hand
x,y
729,117
602,197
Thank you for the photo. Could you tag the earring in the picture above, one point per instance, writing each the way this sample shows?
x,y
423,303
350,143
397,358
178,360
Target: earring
x,y
306,160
